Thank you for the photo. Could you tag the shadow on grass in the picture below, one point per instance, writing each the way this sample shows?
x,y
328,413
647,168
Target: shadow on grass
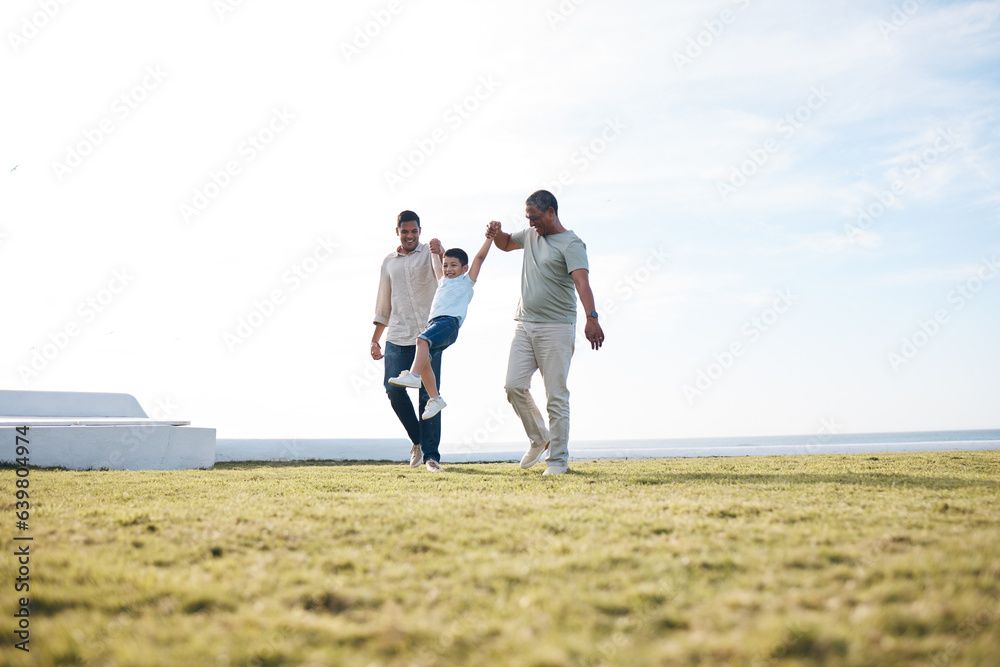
x,y
881,480
646,477
311,463
623,475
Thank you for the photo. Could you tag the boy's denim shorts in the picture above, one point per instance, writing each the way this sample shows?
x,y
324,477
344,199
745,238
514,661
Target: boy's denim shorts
x,y
440,332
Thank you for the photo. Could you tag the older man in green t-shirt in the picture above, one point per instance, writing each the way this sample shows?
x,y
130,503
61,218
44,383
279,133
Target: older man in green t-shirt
x,y
555,264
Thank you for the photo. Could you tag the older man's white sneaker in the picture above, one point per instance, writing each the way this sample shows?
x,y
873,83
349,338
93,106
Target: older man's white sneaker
x,y
416,456
533,455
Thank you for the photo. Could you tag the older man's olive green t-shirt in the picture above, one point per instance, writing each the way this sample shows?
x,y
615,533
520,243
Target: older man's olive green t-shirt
x,y
548,293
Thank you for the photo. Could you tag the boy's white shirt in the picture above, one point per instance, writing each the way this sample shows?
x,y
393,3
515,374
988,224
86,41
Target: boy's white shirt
x,y
452,297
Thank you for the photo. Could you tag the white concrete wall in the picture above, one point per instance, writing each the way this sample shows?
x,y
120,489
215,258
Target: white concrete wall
x,y
145,447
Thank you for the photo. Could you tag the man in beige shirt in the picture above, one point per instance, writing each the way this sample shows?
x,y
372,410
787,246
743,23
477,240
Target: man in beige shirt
x,y
405,292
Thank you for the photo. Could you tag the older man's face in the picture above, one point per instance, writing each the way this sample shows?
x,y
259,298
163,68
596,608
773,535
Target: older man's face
x,y
542,221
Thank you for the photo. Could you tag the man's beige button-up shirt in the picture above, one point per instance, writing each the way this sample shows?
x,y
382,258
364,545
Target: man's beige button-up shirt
x,y
405,292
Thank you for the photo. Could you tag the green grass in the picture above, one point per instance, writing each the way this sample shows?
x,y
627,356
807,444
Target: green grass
x,y
812,560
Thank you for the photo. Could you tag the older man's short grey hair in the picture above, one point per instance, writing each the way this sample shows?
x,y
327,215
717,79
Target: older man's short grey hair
x,y
542,200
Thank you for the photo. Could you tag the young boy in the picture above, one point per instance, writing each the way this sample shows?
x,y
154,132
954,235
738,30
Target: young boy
x,y
456,280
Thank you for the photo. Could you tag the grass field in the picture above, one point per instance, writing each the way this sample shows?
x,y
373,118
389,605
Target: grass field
x,y
889,559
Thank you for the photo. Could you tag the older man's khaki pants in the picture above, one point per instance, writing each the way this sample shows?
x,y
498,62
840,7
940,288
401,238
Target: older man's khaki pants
x,y
546,347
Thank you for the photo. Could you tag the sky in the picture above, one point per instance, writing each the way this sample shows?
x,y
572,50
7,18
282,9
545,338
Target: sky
x,y
791,210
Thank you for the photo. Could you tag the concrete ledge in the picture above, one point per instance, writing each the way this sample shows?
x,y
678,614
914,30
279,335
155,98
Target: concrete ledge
x,y
137,447
92,431
68,404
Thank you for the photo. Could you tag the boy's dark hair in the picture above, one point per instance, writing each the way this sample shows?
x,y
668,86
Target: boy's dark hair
x,y
459,254
542,200
407,216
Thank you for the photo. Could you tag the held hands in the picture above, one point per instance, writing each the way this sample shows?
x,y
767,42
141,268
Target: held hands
x,y
492,229
435,246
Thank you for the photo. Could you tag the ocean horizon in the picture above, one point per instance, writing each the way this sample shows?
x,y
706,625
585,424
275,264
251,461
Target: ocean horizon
x,y
291,449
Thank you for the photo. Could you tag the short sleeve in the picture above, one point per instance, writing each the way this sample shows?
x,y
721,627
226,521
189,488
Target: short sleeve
x,y
518,237
576,256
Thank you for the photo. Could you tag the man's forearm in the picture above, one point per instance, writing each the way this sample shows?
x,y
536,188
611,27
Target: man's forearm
x,y
377,336
582,280
502,241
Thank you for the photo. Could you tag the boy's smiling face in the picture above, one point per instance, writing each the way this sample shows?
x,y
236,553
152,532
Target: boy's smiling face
x,y
452,267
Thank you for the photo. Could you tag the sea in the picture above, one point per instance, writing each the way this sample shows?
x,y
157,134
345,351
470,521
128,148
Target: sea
x,y
584,450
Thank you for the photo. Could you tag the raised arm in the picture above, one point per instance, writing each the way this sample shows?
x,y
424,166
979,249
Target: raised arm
x,y
438,267
477,261
501,239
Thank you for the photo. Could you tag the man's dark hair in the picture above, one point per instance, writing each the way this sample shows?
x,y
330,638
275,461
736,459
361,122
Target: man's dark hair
x,y
459,254
407,216
542,199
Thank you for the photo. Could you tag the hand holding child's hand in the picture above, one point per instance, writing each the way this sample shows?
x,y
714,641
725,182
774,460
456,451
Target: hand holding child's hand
x,y
435,246
492,229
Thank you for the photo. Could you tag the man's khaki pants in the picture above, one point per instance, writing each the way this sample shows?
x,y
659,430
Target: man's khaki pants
x,y
546,347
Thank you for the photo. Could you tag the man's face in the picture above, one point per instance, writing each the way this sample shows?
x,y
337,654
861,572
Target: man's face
x,y
540,220
409,235
452,268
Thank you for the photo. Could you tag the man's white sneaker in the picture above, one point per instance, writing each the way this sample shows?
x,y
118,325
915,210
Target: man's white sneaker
x,y
434,466
406,379
416,456
533,455
556,471
434,406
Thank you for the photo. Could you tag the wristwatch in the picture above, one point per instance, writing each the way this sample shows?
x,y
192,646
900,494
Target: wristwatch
x,y
593,314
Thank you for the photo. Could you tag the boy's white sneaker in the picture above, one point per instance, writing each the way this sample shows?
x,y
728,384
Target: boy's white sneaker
x,y
533,455
434,406
406,379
